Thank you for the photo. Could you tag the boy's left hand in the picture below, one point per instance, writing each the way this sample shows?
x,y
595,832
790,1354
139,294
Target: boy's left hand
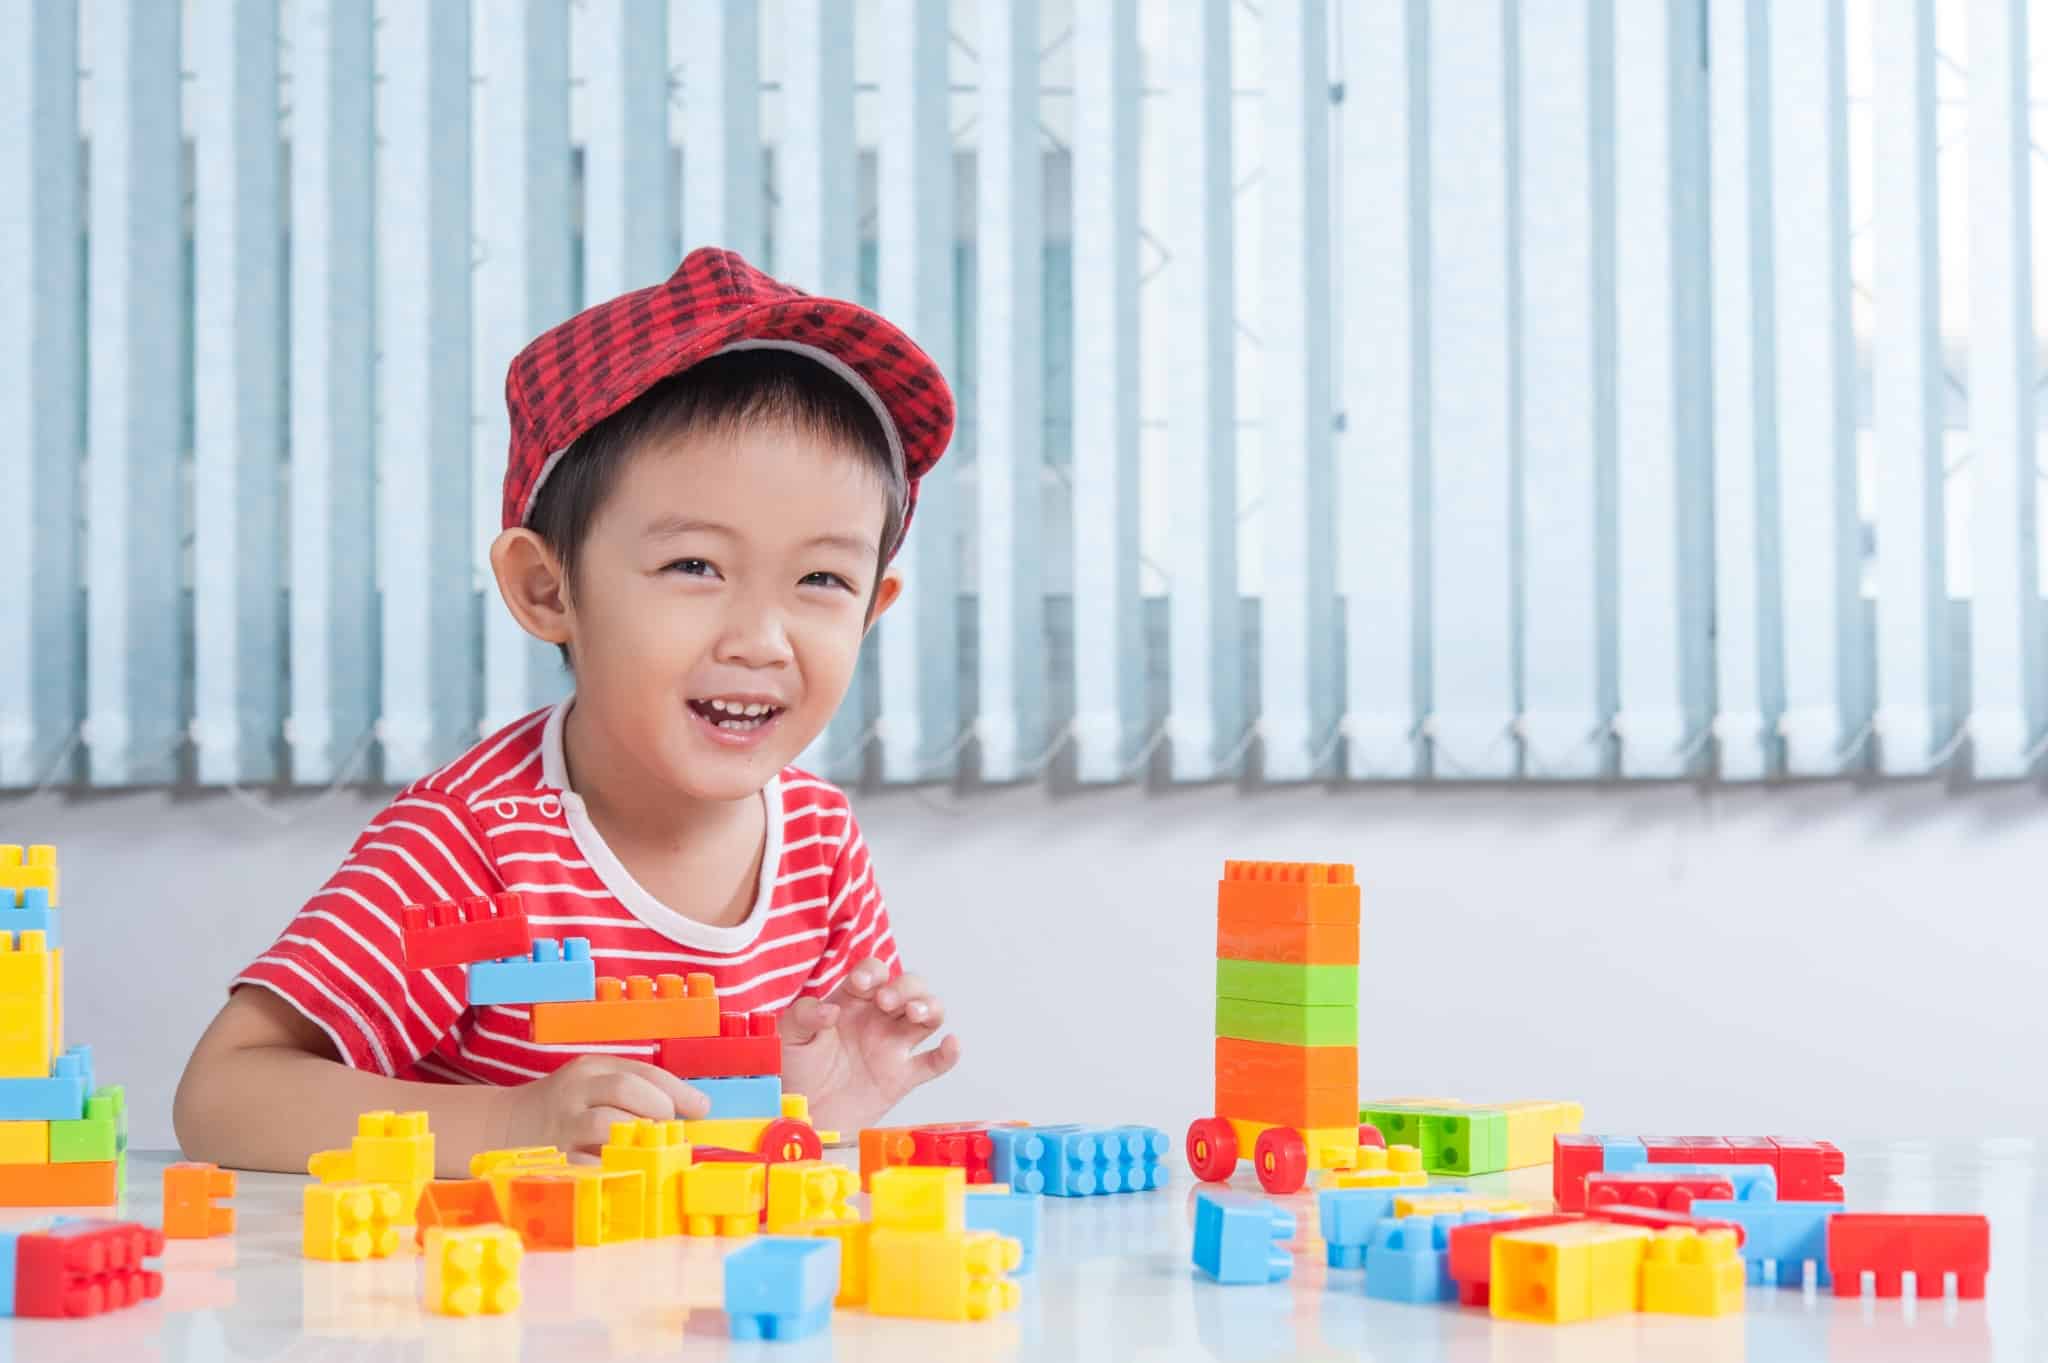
x,y
855,1054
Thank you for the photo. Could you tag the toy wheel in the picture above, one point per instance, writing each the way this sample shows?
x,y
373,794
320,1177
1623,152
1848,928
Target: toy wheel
x,y
784,1141
1281,1158
1212,1149
1368,1134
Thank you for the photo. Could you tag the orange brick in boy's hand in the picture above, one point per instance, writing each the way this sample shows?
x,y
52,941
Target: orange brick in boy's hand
x,y
707,483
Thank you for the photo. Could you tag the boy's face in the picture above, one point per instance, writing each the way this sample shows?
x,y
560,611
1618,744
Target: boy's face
x,y
720,600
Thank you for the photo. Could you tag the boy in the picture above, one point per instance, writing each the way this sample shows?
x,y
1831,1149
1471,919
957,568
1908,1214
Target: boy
x,y
707,480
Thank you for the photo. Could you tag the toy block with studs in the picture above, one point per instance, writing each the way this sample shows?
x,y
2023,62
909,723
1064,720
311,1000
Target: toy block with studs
x,y
852,1237
1656,1219
472,1270
32,910
1779,1238
500,1167
1409,1259
574,1206
191,1191
909,1197
462,932
746,1044
455,1202
28,1010
994,1206
1671,1192
659,1153
32,868
803,1192
1288,892
636,1008
58,1097
781,1287
101,1134
1887,1245
350,1221
1016,1157
723,1198
942,1274
552,972
963,1145
389,1147
1469,1252
748,1097
84,1268
1241,1241
1347,1217
1687,1273
1557,1274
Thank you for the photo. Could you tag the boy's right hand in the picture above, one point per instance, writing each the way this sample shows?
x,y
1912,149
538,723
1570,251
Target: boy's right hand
x,y
573,1109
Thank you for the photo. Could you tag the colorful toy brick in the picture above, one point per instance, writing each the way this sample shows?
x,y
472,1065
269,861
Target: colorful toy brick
x,y
1140,1157
962,1145
752,1096
1806,1170
451,932
852,1237
28,1037
747,1043
1573,1156
472,1270
1686,1273
1017,1157
389,1147
992,1206
552,972
1557,1274
804,1192
1779,1238
24,1142
96,1183
1888,1245
1285,982
781,1287
1287,1024
455,1202
909,1197
633,1009
1409,1259
1752,1182
1347,1218
350,1221
1452,1141
500,1167
1287,943
1380,1179
1671,1192
941,1274
190,1191
32,911
723,1198
1620,1154
575,1205
659,1153
84,1268
1288,892
1238,1240
22,870
1469,1252
101,1134
60,1097
1657,1219
1433,1202
1079,1162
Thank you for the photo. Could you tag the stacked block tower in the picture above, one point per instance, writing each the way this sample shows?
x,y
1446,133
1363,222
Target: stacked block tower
x,y
63,1139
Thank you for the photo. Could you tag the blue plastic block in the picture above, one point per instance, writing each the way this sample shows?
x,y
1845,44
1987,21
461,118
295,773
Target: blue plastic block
x,y
1019,1158
1141,1158
781,1286
756,1096
1622,1154
1785,1233
34,914
1238,1240
1752,1182
1348,1217
1410,1260
1012,1214
1079,1161
556,972
60,1098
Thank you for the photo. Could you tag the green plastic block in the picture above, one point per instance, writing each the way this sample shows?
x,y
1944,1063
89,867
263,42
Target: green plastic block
x,y
1288,1024
1273,982
100,1135
1465,1140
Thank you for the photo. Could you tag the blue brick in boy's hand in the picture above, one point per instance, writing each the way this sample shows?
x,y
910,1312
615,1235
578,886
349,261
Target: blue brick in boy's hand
x,y
1238,1240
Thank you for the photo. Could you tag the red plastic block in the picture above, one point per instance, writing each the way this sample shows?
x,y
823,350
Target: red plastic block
x,y
475,929
455,1202
1808,1170
86,1268
1926,1245
1655,1218
720,1154
1667,1150
1572,1157
747,1044
1644,1188
958,1145
1471,1253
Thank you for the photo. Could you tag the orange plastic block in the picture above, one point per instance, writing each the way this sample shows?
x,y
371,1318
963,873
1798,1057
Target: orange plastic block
x,y
633,1009
455,1202
883,1147
1287,943
725,1198
658,1152
1267,1063
189,1191
1288,892
95,1183
576,1205
1282,1106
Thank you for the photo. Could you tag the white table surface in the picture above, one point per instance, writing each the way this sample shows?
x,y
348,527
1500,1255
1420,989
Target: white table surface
x,y
1113,1281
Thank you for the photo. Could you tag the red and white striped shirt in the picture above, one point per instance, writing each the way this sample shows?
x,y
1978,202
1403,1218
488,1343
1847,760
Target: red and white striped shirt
x,y
501,817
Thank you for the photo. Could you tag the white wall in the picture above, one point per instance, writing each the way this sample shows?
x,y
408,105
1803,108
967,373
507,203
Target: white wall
x,y
1818,961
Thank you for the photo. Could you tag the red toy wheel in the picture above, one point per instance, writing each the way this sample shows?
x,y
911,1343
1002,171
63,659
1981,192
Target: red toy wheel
x,y
784,1141
1368,1134
1212,1149
1281,1158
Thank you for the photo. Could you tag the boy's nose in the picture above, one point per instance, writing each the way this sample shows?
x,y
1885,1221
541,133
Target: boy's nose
x,y
754,639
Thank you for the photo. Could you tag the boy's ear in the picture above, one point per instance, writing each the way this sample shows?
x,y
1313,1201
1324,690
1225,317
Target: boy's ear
x,y
531,581
886,592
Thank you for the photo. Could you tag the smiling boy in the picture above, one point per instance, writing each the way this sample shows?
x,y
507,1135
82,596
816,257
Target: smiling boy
x,y
707,481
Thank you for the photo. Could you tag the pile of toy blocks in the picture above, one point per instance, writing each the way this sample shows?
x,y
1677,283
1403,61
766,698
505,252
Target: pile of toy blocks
x,y
1066,1160
1462,1138
63,1138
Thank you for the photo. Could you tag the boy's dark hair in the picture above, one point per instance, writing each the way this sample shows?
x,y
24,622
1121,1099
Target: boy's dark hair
x,y
738,388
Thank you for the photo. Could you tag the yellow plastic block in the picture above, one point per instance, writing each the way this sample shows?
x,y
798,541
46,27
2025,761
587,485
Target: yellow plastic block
x,y
728,1133
24,1142
1437,1204
56,1003
853,1257
1578,1271
1690,1273
1531,1124
28,1005
910,1197
350,1220
390,1147
942,1275
808,1191
1374,1178
472,1270
1404,1159
36,870
723,1198
659,1153
502,1166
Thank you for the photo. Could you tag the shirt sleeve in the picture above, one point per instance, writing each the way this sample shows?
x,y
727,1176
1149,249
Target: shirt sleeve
x,y
857,921
340,960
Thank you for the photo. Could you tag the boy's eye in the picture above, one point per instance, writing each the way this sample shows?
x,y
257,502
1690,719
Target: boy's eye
x,y
694,567
823,579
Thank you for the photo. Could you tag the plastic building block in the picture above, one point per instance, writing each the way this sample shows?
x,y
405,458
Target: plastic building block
x,y
724,1198
85,1268
472,1270
1656,1219
1348,1216
853,1257
60,1097
747,1043
101,1134
960,1145
659,1153
576,1205
1452,1141
1295,1107
450,932
389,1147
1241,1240
1689,1274
781,1287
909,1197
1379,1179
189,1193
553,972
1622,1154
1018,1158
1928,1246
93,1184
1469,1252
941,1275
1287,943
991,1206
1288,892
1288,1024
1141,1153
500,1167
1265,1065
1752,1182
1556,1274
1671,1192
33,868
806,1191
350,1220
1426,1202
1409,1259
28,1038
1080,1161
1284,982
1807,1170
455,1202
633,1009
33,911
24,1142
1572,1157
1531,1126
754,1096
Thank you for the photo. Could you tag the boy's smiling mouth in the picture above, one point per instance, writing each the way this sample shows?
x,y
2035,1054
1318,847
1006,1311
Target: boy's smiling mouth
x,y
736,714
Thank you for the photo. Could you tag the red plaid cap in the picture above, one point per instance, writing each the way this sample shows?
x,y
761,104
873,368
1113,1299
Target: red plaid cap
x,y
576,374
